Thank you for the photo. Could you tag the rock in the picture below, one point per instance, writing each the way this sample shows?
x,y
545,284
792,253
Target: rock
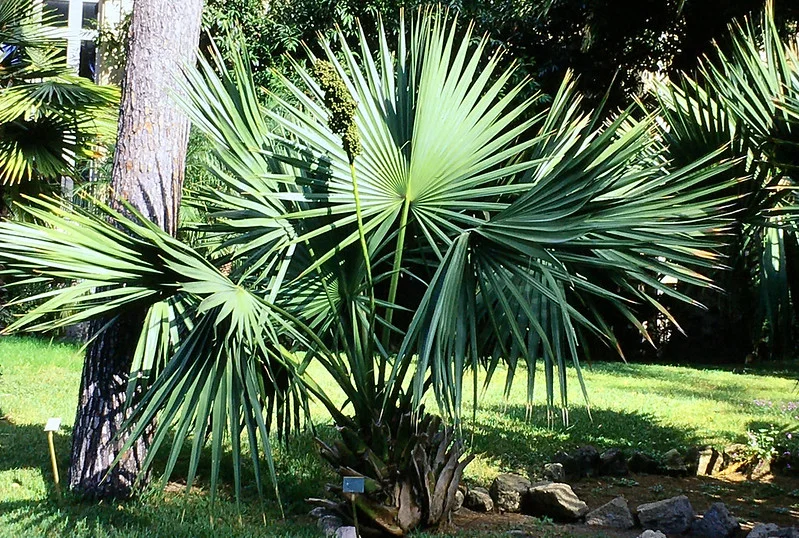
x,y
692,459
459,498
716,523
770,530
710,462
643,463
614,514
557,501
507,491
672,516
479,500
329,525
651,534
734,453
320,512
346,532
554,472
673,463
761,470
588,460
570,466
763,530
612,463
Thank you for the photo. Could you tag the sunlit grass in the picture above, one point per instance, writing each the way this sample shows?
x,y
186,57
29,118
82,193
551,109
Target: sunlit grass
x,y
647,407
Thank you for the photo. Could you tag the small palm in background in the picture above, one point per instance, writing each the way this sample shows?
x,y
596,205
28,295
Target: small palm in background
x,y
50,118
744,102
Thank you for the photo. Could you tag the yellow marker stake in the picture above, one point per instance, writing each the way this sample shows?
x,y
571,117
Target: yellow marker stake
x,y
53,425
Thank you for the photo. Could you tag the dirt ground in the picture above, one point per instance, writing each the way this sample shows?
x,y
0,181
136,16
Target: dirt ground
x,y
772,499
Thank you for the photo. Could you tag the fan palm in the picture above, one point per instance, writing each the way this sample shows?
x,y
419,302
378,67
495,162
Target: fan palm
x,y
474,228
50,118
740,102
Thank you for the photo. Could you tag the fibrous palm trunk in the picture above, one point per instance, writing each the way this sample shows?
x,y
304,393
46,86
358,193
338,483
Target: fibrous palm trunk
x,y
101,413
411,468
148,174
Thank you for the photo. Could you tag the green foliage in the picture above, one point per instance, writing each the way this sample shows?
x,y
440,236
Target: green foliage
x,y
49,117
608,44
740,102
761,443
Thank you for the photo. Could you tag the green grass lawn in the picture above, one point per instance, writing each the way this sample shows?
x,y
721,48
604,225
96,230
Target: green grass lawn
x,y
652,408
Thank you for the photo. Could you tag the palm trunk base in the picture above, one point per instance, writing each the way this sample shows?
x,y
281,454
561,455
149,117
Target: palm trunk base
x,y
96,439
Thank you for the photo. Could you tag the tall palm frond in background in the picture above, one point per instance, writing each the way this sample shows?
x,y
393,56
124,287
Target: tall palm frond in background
x,y
740,102
475,228
50,118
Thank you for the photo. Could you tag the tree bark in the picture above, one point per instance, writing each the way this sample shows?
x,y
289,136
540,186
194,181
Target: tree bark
x,y
147,173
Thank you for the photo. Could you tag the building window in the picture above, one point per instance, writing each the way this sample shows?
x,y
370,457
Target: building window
x,y
79,31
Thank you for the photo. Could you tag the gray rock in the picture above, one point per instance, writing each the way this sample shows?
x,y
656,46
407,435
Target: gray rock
x,y
651,534
479,500
672,516
763,530
761,470
346,532
570,465
588,460
329,525
643,463
557,501
674,464
614,514
612,463
716,523
771,530
710,462
691,456
507,491
320,512
554,472
459,498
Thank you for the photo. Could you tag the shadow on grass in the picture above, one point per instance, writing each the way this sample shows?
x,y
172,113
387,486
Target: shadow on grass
x,y
503,434
24,446
301,474
153,515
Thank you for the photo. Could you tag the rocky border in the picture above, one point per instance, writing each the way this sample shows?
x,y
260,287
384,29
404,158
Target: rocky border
x,y
555,499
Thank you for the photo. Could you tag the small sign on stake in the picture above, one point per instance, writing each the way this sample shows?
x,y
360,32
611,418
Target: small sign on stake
x,y
353,484
53,425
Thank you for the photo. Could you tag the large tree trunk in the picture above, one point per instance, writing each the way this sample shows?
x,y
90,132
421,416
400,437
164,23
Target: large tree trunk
x,y
148,173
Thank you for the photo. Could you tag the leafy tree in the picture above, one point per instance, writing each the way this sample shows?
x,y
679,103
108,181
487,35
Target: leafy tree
x,y
608,44
510,223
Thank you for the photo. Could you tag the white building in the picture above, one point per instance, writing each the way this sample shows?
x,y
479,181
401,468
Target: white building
x,y
79,22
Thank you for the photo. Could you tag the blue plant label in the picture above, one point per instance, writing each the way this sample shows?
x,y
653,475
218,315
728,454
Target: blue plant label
x,y
353,484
